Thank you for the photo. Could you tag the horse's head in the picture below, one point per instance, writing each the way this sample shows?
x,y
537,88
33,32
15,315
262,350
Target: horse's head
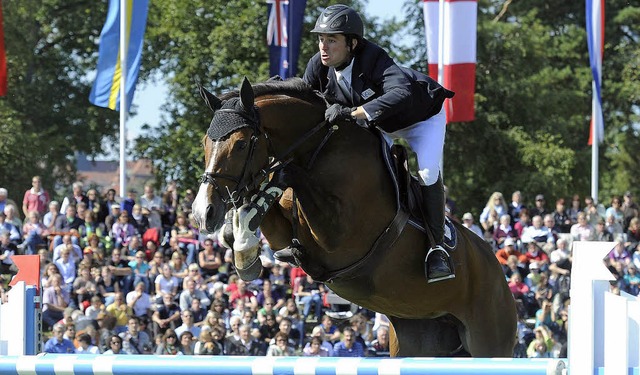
x,y
235,153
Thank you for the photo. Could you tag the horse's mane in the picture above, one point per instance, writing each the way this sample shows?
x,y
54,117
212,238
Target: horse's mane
x,y
294,87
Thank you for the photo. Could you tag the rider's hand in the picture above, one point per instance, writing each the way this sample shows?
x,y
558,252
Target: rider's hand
x,y
338,112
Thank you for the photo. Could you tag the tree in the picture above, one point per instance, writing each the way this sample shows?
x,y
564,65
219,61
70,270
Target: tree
x,y
46,117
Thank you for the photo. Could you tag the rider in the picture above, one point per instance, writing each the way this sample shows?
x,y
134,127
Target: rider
x,y
365,85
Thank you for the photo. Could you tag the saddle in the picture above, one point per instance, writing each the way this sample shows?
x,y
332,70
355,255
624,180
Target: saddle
x,y
408,189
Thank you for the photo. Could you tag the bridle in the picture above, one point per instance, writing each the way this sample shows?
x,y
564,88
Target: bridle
x,y
245,182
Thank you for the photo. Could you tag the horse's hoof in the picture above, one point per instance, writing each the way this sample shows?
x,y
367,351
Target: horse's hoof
x,y
252,272
286,255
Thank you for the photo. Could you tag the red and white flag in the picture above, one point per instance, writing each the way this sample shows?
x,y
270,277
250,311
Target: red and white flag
x,y
458,52
3,59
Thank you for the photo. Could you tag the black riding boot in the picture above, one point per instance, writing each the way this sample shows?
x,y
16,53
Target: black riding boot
x,y
437,262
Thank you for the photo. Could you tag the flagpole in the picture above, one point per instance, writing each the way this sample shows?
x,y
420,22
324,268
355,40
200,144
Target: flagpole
x,y
594,144
123,98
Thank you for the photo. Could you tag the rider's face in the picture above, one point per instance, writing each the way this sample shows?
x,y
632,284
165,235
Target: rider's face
x,y
333,49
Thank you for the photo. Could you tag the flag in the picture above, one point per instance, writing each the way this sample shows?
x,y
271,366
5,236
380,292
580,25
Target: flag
x,y
3,59
284,33
595,42
106,88
459,53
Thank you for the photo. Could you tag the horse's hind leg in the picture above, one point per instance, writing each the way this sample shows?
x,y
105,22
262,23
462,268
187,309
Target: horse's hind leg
x,y
425,337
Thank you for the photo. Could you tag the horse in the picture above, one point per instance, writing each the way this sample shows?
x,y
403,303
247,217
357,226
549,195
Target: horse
x,y
338,202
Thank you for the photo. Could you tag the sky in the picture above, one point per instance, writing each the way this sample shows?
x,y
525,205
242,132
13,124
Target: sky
x,y
149,97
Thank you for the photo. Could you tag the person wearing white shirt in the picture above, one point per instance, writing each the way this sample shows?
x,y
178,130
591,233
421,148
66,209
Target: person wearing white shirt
x,y
85,345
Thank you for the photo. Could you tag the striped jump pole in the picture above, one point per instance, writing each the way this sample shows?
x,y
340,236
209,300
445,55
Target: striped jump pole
x,y
72,364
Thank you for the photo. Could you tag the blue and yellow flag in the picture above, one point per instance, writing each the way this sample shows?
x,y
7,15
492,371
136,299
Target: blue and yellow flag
x,y
106,88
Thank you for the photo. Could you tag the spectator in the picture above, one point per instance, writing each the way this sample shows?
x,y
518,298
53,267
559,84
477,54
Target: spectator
x,y
58,344
84,287
36,198
614,227
115,346
280,348
121,311
67,268
491,213
188,324
242,293
178,267
67,242
121,270
244,344
380,346
361,328
601,232
194,274
166,283
516,206
514,266
190,293
629,208
85,346
209,259
139,300
34,233
186,237
467,222
169,344
166,316
524,222
5,201
55,299
561,251
591,210
631,280
49,218
348,347
504,231
318,333
315,349
582,231
509,249
633,235
77,196
187,201
561,218
122,231
186,343
10,229
330,331
537,232
539,209
536,254
135,341
7,250
68,223
574,209
95,308
140,268
269,328
107,285
310,295
615,210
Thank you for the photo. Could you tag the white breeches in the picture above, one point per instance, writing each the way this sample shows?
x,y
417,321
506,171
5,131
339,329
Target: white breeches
x,y
426,139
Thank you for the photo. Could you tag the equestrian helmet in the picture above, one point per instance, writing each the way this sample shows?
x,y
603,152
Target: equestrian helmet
x,y
339,19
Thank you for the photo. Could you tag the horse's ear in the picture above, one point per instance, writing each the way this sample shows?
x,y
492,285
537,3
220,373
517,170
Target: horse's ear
x,y
246,94
212,101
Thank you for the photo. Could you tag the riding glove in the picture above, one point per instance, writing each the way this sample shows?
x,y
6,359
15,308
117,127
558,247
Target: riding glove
x,y
337,112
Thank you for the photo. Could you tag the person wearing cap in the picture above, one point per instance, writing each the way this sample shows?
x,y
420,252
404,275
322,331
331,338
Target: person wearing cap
x,y
467,222
364,85
509,249
539,209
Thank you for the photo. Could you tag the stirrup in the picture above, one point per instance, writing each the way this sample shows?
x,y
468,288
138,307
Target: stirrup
x,y
443,256
286,255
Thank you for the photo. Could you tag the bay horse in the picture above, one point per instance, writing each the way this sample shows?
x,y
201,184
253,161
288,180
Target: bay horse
x,y
339,199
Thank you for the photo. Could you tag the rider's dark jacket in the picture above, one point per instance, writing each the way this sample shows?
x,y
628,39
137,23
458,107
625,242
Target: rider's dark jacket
x,y
395,97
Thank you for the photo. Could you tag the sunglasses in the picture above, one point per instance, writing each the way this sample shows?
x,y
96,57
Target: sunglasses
x,y
115,342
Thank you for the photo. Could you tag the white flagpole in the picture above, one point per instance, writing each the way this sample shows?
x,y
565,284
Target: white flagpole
x,y
441,42
123,98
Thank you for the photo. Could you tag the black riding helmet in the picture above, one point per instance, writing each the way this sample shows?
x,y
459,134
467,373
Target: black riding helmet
x,y
339,19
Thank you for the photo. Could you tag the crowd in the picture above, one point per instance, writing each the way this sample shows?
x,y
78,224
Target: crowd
x,y
134,276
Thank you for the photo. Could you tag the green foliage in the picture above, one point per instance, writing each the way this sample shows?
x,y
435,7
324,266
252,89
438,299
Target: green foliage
x,y
46,116
533,90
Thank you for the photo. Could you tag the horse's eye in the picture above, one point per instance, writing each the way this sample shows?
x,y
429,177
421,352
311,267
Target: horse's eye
x,y
240,145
